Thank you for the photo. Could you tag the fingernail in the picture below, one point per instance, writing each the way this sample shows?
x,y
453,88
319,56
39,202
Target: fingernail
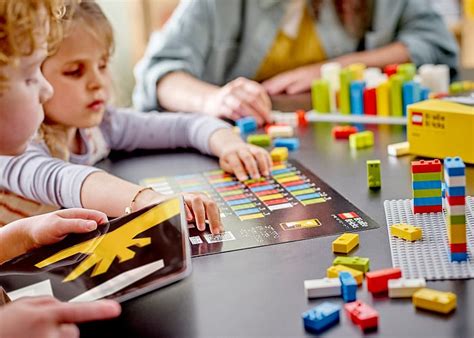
x,y
91,225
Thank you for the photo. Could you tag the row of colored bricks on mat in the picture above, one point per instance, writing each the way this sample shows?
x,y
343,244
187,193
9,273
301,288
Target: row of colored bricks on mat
x,y
296,185
234,194
455,177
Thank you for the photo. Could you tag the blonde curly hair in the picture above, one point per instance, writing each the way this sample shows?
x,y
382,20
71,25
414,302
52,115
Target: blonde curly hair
x,y
20,28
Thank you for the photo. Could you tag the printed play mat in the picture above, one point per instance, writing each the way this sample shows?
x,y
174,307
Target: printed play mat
x,y
293,204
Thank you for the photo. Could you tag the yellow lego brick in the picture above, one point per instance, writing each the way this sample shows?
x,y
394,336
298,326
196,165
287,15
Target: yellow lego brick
x,y
333,272
438,129
357,70
345,243
433,300
406,231
279,154
457,233
383,99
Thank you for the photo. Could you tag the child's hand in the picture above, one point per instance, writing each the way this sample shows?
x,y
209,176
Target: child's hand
x,y
240,158
48,317
200,207
53,227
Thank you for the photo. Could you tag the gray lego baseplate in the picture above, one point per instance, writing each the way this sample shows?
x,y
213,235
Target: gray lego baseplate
x,y
428,257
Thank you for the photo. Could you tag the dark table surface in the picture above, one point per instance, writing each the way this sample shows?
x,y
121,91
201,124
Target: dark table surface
x,y
259,292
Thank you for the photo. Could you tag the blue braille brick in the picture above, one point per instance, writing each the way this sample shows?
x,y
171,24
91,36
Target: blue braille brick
x,y
247,124
458,256
348,286
290,143
454,166
456,191
321,317
427,201
426,185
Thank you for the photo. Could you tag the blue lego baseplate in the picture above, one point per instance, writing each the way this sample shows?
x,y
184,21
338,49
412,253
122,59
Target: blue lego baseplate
x,y
428,257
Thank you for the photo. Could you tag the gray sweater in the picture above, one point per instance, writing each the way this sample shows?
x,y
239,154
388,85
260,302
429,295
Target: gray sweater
x,y
39,177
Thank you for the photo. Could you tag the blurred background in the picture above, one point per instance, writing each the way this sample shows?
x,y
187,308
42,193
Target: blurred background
x,y
135,20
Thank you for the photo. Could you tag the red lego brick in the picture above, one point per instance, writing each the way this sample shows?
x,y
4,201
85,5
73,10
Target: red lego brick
x,y
455,200
343,132
370,101
390,69
302,121
462,247
377,281
424,209
424,166
362,315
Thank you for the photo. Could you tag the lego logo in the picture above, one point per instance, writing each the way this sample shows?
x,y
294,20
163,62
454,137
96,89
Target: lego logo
x,y
348,215
417,119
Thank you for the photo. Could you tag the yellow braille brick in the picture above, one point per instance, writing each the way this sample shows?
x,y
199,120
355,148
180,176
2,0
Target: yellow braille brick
x,y
279,154
407,232
457,233
434,300
345,243
333,272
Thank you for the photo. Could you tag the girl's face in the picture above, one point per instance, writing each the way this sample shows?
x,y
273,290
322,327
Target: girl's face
x,y
21,110
79,75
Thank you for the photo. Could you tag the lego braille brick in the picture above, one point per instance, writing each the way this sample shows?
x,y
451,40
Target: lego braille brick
x,y
343,132
321,317
377,281
374,179
247,124
324,287
434,300
290,143
348,286
333,272
406,232
424,166
454,166
398,149
345,243
362,315
261,140
357,263
279,154
405,288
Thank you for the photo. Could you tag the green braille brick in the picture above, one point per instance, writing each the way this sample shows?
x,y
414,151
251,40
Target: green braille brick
x,y
426,177
456,219
427,193
261,140
356,263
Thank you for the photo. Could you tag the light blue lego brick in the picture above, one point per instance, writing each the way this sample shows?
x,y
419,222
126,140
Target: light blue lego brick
x,y
426,185
321,317
224,184
458,256
308,196
247,211
348,286
281,171
410,94
454,166
357,97
241,201
299,187
424,93
290,143
456,191
427,201
262,188
247,124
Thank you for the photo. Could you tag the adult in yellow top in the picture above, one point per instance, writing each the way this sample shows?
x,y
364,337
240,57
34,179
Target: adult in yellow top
x,y
225,57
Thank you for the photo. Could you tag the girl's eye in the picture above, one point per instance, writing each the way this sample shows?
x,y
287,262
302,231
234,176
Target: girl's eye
x,y
103,66
73,73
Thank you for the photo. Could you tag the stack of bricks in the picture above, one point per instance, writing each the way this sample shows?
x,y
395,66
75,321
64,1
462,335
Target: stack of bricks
x,y
427,195
455,179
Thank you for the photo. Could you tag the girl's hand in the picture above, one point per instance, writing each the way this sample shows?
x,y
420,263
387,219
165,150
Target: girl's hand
x,y
200,208
239,158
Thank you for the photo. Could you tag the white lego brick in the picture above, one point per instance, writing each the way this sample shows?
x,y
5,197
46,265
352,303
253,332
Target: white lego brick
x,y
404,288
455,209
324,287
454,181
398,149
280,131
286,118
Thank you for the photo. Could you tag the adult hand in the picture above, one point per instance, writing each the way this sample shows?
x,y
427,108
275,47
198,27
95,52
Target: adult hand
x,y
239,98
47,317
294,81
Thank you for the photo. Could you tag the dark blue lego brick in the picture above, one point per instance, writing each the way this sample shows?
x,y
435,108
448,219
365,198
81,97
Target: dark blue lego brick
x,y
424,93
427,201
458,256
454,166
290,143
348,286
419,185
456,191
410,94
321,317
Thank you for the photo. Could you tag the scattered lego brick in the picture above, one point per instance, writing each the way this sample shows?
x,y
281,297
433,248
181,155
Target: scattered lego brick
x,y
261,140
345,243
324,287
343,132
377,281
321,317
405,288
357,263
374,179
407,232
362,315
398,149
247,124
302,120
290,143
348,286
363,139
333,272
280,131
279,154
433,300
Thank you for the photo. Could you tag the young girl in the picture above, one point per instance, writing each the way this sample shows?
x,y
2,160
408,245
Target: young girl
x,y
26,27
80,129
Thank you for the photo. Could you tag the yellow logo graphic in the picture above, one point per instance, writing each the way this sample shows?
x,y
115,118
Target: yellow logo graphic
x,y
103,249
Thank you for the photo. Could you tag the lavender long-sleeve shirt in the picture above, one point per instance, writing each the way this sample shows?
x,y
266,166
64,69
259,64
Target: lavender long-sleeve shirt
x,y
38,176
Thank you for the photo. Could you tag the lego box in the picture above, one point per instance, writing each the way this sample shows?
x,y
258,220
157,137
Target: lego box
x,y
441,129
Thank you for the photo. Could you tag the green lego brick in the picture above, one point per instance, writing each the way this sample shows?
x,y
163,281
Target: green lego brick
x,y
360,140
427,193
456,219
356,263
427,177
374,180
261,140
